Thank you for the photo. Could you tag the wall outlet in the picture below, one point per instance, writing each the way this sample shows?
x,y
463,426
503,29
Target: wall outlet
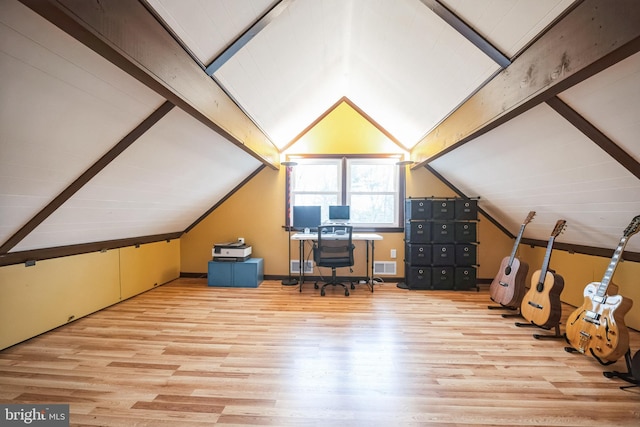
x,y
393,254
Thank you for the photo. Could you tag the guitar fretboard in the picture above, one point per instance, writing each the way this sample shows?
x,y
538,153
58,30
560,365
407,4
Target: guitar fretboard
x,y
515,245
608,274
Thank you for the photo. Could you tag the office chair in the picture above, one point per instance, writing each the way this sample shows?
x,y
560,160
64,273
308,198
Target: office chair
x,y
334,249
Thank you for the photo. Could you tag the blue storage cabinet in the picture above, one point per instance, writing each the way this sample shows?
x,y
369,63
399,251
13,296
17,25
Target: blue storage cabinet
x,y
246,274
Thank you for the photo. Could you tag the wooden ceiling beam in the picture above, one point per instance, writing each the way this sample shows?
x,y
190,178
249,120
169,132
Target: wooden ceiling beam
x,y
129,36
592,37
246,37
595,135
86,176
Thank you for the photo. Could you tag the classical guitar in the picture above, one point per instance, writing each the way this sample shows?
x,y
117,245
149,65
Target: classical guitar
x,y
508,287
598,325
541,304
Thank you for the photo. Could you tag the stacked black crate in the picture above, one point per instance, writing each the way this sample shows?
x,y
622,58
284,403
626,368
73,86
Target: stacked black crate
x,y
417,247
441,239
444,248
466,217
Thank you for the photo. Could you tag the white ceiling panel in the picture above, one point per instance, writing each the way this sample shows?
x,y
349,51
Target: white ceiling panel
x,y
319,51
539,162
208,27
509,25
409,80
65,107
610,101
161,184
290,72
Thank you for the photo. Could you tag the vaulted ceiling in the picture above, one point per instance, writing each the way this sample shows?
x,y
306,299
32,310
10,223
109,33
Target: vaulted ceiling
x,y
130,120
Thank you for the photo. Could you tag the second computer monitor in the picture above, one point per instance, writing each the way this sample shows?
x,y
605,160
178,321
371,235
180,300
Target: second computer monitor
x,y
307,218
339,213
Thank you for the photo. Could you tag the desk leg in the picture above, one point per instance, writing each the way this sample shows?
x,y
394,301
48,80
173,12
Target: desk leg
x,y
300,266
373,258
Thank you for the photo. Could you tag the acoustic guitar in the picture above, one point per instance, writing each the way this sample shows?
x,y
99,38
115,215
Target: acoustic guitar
x,y
508,287
541,304
598,325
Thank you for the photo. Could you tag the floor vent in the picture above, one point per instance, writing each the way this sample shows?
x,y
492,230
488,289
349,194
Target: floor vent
x,y
384,267
295,266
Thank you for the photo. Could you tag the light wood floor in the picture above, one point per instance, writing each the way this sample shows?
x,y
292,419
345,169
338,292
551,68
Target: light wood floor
x,y
184,354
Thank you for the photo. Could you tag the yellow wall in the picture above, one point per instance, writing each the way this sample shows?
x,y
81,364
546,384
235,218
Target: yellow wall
x,y
56,291
147,266
256,211
344,131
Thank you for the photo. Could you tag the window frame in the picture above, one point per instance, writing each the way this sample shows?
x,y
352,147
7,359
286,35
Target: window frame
x,y
344,190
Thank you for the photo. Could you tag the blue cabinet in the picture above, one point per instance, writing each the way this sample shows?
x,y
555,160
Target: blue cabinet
x,y
246,274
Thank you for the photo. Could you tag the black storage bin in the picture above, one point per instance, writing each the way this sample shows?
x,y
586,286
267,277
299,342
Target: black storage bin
x,y
443,232
417,209
443,255
418,254
418,277
417,231
465,278
465,231
442,278
442,209
466,254
466,209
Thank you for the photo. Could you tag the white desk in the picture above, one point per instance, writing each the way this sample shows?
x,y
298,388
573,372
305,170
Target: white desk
x,y
369,238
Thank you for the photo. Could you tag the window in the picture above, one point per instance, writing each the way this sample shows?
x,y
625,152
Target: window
x,y
370,186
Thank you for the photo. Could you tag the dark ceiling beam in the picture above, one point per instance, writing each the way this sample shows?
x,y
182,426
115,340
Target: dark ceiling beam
x,y
595,135
129,36
582,249
467,32
246,37
593,36
73,188
224,199
461,194
31,256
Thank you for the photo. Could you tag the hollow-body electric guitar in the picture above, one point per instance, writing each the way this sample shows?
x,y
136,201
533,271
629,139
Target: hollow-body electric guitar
x,y
598,325
541,304
508,287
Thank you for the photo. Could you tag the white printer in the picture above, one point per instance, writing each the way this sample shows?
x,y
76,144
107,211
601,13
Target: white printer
x,y
231,251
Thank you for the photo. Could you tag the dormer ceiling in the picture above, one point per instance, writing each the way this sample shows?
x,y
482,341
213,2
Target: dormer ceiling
x,y
401,61
125,119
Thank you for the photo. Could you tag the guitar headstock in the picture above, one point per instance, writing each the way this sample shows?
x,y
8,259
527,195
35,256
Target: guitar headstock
x,y
529,217
559,228
633,227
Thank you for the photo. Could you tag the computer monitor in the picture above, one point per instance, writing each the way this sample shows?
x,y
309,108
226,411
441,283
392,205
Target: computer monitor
x,y
339,213
307,218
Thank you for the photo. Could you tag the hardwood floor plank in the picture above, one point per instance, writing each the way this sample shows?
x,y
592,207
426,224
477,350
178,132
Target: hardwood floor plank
x,y
186,354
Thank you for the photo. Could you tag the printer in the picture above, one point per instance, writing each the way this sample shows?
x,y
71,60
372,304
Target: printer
x,y
231,251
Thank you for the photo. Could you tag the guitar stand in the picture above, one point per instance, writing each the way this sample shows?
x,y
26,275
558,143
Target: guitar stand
x,y
628,376
539,336
504,307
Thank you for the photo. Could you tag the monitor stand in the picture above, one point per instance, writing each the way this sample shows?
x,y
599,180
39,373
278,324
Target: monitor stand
x,y
307,231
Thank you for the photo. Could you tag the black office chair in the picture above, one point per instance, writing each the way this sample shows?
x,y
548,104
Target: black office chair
x,y
334,249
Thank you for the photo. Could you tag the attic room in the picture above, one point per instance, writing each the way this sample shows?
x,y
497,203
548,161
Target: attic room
x,y
135,135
